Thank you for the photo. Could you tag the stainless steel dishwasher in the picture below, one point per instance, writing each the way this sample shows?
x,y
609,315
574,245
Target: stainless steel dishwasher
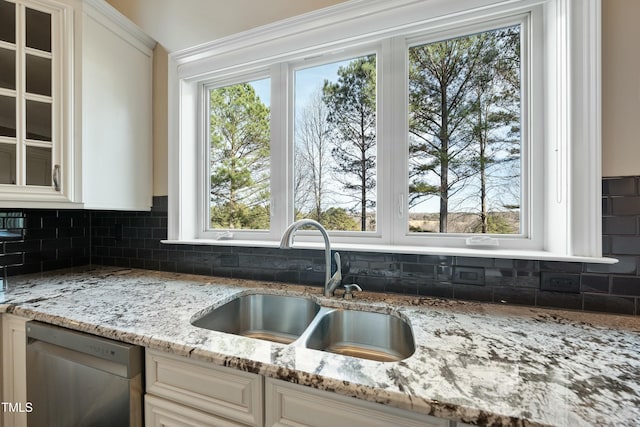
x,y
76,379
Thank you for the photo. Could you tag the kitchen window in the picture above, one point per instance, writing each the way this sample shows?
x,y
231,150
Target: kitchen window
x,y
238,141
335,144
419,127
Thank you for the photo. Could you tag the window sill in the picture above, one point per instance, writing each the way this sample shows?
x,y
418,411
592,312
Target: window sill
x,y
462,252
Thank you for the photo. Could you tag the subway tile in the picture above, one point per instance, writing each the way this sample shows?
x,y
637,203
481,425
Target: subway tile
x,y
136,263
609,304
511,295
475,262
620,225
527,279
437,290
405,287
11,259
623,285
626,186
625,205
444,273
472,293
625,245
503,263
559,300
594,283
606,207
523,265
564,267
499,276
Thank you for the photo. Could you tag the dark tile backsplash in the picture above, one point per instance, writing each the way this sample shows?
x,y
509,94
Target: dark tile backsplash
x,y
59,238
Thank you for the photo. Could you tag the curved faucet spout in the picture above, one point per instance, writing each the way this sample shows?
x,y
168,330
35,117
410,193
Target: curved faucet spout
x,y
330,283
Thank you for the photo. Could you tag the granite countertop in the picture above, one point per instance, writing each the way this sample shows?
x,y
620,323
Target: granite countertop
x,y
477,363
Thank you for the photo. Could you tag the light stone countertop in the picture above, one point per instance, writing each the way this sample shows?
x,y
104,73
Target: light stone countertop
x,y
478,363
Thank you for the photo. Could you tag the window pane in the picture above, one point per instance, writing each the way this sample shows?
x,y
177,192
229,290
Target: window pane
x,y
38,30
39,166
38,75
7,164
7,21
464,134
239,150
38,121
7,69
7,116
335,144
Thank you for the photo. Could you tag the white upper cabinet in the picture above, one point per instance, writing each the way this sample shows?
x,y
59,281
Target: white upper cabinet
x,y
75,107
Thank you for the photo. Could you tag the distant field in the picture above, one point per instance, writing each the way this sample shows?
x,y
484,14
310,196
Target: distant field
x,y
461,222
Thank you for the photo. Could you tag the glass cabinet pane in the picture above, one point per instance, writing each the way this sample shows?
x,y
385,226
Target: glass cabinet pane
x,y
38,75
7,69
7,164
7,21
38,166
38,30
38,121
7,116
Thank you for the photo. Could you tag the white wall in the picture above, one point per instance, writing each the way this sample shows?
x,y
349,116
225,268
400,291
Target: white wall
x,y
179,24
621,87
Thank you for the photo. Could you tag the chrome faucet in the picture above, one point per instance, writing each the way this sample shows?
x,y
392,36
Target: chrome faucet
x,y
330,282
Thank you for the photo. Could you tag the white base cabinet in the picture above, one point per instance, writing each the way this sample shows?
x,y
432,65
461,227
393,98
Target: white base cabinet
x,y
14,370
293,405
203,389
165,413
185,393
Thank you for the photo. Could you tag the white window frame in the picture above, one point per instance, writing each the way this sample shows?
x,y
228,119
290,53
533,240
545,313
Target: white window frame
x,y
203,166
564,50
532,170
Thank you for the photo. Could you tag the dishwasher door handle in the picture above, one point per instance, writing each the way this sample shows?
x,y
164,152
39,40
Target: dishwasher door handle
x,y
92,349
77,357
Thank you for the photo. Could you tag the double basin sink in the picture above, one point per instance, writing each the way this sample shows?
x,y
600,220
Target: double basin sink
x,y
302,322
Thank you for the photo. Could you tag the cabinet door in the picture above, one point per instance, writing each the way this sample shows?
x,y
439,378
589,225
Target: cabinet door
x,y
164,413
34,101
14,370
226,392
294,405
116,116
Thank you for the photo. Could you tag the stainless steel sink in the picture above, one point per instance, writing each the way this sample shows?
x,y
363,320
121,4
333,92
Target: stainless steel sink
x,y
374,336
304,323
277,318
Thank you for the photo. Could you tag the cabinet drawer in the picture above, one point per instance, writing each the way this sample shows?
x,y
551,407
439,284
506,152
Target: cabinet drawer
x,y
226,392
164,413
294,405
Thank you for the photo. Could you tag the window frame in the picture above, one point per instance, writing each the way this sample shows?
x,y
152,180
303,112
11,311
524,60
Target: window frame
x,y
203,167
532,164
568,102
318,59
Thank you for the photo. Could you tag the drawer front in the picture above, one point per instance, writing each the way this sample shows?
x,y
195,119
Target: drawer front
x,y
225,392
164,413
294,405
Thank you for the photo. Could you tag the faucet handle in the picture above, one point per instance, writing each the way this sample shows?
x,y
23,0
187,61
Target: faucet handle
x,y
338,274
348,290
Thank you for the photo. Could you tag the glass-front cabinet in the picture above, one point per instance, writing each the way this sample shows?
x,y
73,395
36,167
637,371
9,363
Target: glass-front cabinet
x,y
31,87
75,106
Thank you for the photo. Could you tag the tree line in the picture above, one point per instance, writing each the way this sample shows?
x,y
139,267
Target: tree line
x,y
464,140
